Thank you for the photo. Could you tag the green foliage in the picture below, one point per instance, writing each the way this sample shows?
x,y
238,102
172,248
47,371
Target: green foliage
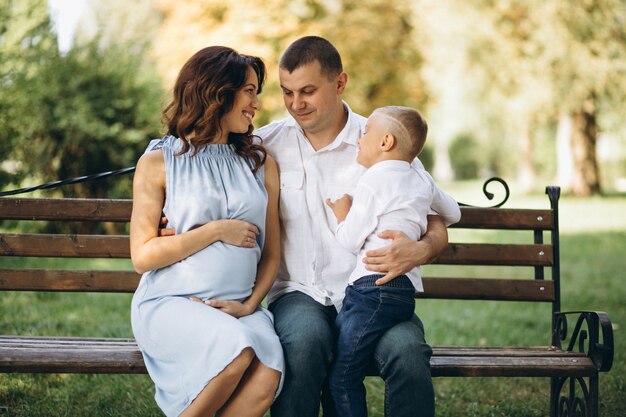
x,y
377,40
375,37
465,157
427,157
104,120
25,41
534,60
90,110
497,69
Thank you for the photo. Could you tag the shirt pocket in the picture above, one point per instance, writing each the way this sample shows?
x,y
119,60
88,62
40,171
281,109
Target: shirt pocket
x,y
291,194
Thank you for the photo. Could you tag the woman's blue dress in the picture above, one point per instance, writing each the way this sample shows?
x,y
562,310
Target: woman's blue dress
x,y
184,343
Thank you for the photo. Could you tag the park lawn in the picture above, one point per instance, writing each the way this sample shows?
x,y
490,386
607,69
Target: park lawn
x,y
592,256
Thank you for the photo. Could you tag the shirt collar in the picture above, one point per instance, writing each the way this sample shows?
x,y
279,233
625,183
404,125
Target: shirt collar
x,y
347,134
393,164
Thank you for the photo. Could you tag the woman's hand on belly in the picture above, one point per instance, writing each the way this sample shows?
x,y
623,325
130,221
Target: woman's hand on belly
x,y
234,308
237,232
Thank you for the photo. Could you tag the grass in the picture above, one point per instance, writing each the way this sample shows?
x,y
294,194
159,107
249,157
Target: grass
x,y
593,244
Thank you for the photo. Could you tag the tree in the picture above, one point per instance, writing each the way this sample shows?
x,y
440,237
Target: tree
x,y
90,110
556,58
26,41
588,73
373,36
93,113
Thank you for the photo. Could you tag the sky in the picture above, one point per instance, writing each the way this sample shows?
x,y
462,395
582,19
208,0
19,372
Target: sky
x,y
65,15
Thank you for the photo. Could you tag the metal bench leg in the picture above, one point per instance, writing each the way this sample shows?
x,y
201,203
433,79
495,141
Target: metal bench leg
x,y
574,399
592,404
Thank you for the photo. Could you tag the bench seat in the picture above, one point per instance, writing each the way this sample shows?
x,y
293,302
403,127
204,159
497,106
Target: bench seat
x,y
99,355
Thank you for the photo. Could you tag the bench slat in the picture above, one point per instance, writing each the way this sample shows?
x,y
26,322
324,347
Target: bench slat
x,y
487,289
499,218
65,340
68,280
505,351
67,209
496,254
67,360
98,355
66,246
118,210
127,281
481,366
103,246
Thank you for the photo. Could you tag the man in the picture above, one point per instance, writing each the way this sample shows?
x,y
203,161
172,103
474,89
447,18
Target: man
x,y
316,152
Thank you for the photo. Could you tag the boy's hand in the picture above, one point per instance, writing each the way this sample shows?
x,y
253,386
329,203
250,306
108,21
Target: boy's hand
x,y
340,207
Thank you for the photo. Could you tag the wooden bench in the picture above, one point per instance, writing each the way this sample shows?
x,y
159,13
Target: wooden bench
x,y
575,352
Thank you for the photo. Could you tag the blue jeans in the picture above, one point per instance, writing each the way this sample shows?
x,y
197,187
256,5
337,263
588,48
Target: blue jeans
x,y
307,333
368,311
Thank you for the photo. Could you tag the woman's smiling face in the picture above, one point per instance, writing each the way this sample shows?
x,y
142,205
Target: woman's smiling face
x,y
245,105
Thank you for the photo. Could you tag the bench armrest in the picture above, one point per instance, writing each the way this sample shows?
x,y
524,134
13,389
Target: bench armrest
x,y
593,333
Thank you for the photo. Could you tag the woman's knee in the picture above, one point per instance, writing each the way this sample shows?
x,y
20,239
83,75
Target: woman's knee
x,y
239,365
266,383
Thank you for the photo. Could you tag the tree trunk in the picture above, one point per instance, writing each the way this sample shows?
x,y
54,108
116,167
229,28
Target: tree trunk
x,y
585,181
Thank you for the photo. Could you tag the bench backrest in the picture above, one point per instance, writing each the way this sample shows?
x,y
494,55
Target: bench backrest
x,y
539,255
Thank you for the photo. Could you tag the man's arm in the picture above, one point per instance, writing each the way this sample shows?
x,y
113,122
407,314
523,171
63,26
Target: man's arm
x,y
405,253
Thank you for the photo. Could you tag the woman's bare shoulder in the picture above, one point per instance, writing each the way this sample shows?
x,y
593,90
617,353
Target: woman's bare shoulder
x,y
151,160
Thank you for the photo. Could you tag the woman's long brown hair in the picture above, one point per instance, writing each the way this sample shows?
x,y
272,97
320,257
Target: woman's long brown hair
x,y
204,92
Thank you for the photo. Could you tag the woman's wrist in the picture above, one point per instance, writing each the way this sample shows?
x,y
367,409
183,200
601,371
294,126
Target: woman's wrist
x,y
250,306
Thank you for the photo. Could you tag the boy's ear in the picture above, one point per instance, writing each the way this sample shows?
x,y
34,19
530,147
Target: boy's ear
x,y
388,142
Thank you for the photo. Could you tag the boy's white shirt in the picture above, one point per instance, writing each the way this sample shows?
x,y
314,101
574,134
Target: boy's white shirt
x,y
313,261
392,195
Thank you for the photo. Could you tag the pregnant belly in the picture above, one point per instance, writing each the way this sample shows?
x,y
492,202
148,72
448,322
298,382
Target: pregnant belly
x,y
219,271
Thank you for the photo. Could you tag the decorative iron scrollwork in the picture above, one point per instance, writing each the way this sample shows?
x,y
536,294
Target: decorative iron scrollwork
x,y
575,402
490,195
592,335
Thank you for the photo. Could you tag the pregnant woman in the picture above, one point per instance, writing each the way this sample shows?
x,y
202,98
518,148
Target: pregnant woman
x,y
208,345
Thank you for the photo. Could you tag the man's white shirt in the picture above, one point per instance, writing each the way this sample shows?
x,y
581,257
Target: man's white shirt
x,y
313,261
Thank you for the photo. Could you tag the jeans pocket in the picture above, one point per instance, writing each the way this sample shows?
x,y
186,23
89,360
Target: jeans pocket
x,y
402,295
399,302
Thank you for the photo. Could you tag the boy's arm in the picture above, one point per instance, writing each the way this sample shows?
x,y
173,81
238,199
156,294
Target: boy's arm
x,y
443,204
359,222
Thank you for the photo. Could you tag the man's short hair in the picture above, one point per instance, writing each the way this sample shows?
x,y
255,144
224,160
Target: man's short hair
x,y
309,49
408,127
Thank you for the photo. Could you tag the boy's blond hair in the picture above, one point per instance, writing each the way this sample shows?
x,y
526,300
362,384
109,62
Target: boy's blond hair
x,y
408,127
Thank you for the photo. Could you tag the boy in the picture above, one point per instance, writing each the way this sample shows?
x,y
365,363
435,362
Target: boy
x,y
390,195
